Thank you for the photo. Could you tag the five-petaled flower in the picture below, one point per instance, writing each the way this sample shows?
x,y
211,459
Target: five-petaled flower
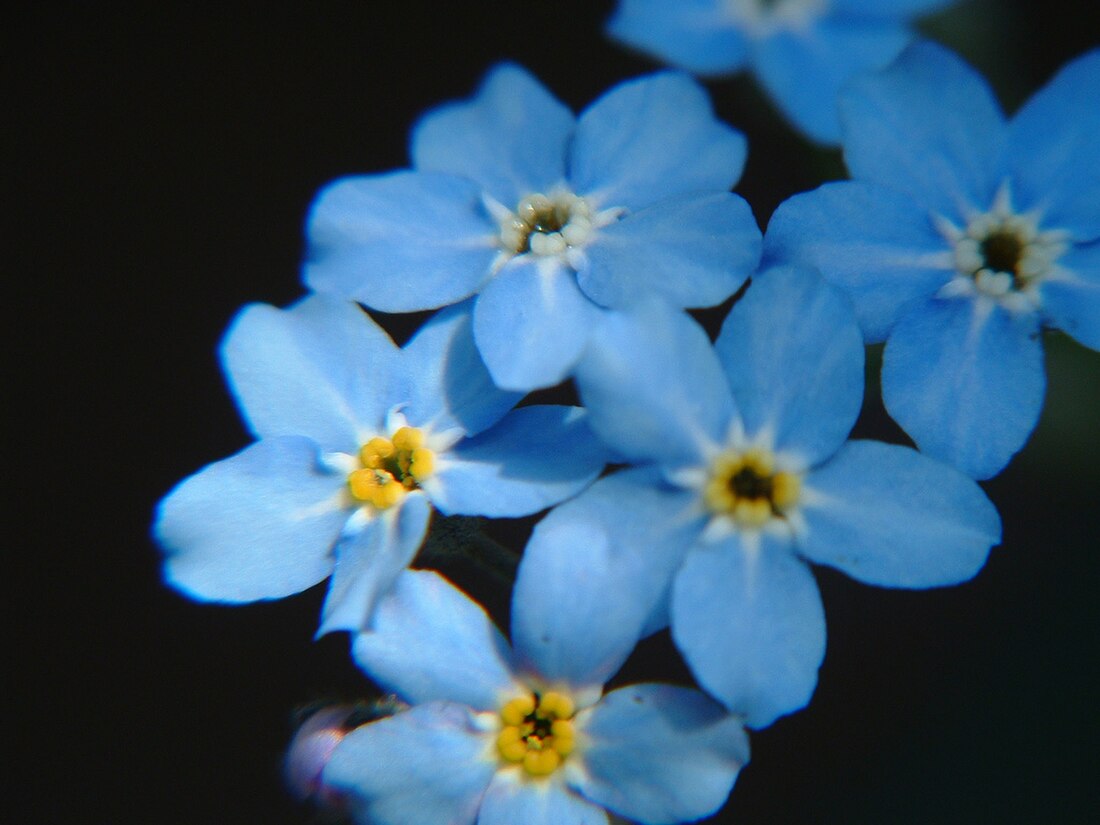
x,y
545,217
358,440
499,737
802,51
961,236
743,475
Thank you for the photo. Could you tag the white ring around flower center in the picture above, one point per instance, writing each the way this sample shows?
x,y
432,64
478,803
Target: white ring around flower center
x,y
761,18
556,224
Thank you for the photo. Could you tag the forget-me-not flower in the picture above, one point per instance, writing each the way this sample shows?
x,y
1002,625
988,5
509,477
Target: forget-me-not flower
x,y
961,237
502,736
545,217
357,441
801,51
743,475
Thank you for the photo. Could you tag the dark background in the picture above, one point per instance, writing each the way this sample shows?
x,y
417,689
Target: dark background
x,y
160,161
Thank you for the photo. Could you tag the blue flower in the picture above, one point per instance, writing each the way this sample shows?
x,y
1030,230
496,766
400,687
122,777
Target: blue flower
x,y
499,737
358,440
545,217
742,475
802,51
960,238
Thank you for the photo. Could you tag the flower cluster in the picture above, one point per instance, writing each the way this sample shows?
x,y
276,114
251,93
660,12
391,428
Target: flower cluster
x,y
699,480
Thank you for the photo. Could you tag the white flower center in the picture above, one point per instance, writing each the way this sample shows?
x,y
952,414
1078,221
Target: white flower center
x,y
761,18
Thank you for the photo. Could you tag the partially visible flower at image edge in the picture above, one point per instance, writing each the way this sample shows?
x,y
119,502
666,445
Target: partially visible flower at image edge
x,y
358,441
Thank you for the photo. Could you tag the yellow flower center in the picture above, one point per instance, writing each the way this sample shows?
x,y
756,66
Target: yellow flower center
x,y
746,487
538,732
390,468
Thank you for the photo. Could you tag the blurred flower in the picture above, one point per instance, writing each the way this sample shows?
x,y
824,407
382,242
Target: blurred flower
x,y
743,475
358,440
545,217
801,51
960,238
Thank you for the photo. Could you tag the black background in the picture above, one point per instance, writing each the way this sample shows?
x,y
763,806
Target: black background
x,y
160,161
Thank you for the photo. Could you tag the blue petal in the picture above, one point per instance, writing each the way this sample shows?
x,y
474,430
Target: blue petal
x,y
749,622
804,70
513,799
794,357
532,323
368,562
430,642
887,515
653,138
927,126
1071,301
446,383
573,619
695,35
888,8
534,458
1054,151
424,766
660,753
258,525
964,378
320,369
875,244
510,138
400,242
653,387
694,250
653,523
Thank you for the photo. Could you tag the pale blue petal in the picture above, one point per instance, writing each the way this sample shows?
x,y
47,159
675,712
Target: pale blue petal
x,y
1071,302
888,8
653,386
804,70
510,138
514,800
258,525
320,369
535,457
794,357
1054,152
367,563
652,138
887,515
692,251
446,383
573,619
965,380
654,525
661,754
750,624
876,244
429,641
424,766
532,323
696,35
400,242
927,126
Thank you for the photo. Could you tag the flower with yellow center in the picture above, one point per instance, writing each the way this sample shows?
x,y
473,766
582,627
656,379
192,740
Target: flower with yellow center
x,y
747,487
538,732
390,468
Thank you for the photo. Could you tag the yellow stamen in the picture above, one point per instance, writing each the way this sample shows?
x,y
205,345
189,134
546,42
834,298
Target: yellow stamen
x,y
537,731
408,439
785,489
517,710
556,704
541,762
746,487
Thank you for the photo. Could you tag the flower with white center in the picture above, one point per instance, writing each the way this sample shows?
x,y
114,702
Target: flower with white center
x,y
960,238
357,441
498,736
547,218
742,475
801,51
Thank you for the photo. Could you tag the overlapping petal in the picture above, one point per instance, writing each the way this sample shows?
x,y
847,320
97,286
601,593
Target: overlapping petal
x,y
429,642
400,242
653,138
660,753
694,34
794,357
535,457
693,250
887,515
1071,301
258,525
964,378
